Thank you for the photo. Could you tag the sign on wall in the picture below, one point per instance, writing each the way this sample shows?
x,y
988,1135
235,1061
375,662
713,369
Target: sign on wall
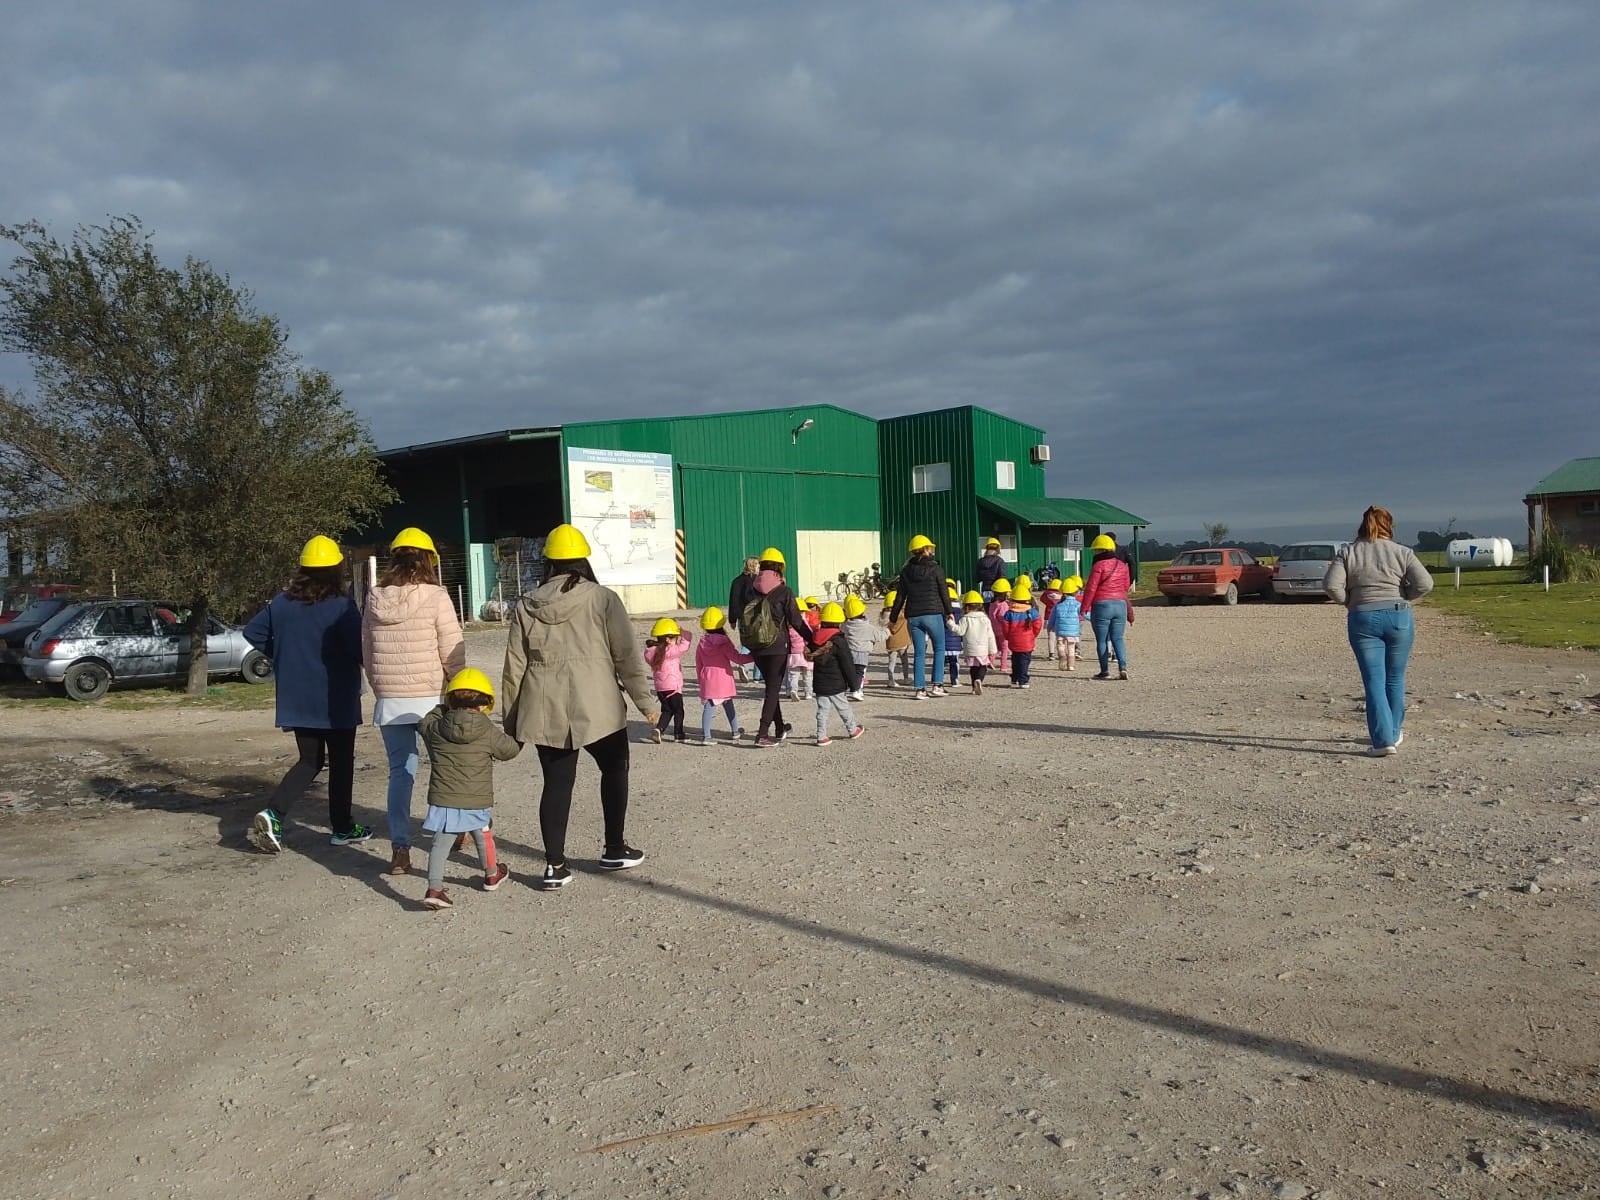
x,y
622,501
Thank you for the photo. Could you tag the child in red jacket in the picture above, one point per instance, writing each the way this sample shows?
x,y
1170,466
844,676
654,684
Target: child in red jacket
x,y
1022,624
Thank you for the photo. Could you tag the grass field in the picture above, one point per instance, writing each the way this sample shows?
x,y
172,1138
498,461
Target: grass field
x,y
232,694
1499,600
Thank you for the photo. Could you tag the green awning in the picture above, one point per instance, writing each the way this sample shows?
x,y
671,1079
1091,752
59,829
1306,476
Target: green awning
x,y
1053,510
1578,477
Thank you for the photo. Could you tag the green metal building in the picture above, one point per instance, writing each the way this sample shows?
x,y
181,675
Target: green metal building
x,y
964,475
673,505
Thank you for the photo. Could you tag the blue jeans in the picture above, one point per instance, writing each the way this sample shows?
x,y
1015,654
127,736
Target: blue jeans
x,y
400,744
927,633
1382,641
708,710
1110,621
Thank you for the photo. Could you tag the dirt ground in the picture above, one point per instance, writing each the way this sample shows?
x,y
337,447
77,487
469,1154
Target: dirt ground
x,y
1171,937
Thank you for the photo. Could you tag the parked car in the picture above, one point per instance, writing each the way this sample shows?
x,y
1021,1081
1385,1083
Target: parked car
x,y
19,600
1218,573
87,647
15,633
1302,566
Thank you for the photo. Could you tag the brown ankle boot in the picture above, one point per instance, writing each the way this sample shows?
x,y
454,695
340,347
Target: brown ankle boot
x,y
400,864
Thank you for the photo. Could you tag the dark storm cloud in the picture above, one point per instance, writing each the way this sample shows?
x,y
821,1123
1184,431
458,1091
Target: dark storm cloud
x,y
1250,262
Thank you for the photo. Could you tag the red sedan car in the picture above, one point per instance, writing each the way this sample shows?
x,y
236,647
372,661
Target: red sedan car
x,y
1218,573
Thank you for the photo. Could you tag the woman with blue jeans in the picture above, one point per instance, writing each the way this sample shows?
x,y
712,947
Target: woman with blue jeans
x,y
1105,599
1376,579
924,597
411,644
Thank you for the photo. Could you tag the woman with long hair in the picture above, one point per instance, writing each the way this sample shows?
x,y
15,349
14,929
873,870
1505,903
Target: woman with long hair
x,y
570,656
1105,602
1376,579
411,645
312,633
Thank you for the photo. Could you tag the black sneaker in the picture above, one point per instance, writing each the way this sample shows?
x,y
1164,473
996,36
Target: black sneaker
x,y
354,836
621,858
555,878
783,734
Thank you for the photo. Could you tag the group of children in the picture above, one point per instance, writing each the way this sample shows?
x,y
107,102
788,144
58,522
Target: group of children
x,y
463,743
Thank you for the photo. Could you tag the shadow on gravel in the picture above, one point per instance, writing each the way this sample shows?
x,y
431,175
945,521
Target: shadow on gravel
x,y
1425,1083
1261,742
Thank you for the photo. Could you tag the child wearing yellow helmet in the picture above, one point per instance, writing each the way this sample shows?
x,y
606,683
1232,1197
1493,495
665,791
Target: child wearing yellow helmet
x,y
1065,625
860,635
897,641
463,745
978,645
715,657
998,608
664,651
835,675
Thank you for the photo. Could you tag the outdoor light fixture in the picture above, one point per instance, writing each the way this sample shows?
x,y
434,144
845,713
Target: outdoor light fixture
x,y
794,434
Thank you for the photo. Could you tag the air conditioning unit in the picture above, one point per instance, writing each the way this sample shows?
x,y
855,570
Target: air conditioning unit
x,y
1039,454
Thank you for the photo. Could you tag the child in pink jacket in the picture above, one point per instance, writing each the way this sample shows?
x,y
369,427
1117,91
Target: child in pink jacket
x,y
664,656
800,668
714,660
998,608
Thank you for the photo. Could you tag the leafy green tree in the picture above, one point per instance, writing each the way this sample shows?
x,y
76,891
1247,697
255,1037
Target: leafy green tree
x,y
174,438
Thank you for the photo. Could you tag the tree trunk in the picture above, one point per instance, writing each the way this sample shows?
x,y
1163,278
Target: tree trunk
x,y
199,615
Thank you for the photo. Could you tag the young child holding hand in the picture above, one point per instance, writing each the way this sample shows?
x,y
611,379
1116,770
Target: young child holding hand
x,y
463,745
978,645
664,656
714,660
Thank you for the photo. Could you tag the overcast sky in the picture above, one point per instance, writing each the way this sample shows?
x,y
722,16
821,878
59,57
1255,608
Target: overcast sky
x,y
1255,262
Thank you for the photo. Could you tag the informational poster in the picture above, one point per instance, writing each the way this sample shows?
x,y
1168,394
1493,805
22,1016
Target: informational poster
x,y
622,501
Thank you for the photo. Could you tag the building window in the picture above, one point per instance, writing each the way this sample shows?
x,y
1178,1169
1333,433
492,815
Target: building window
x,y
1005,476
1589,508
935,477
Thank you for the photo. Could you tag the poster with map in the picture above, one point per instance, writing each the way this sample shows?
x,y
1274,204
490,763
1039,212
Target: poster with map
x,y
622,501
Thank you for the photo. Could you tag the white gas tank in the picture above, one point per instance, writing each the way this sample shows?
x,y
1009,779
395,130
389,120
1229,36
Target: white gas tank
x,y
1479,552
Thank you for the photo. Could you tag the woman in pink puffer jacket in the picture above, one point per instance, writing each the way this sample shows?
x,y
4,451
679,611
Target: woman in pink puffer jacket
x,y
410,645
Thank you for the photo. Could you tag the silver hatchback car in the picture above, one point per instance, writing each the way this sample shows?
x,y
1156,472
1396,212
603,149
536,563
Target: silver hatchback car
x,y
88,646
1301,567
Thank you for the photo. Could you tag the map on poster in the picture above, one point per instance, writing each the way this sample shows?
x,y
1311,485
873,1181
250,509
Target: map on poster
x,y
622,501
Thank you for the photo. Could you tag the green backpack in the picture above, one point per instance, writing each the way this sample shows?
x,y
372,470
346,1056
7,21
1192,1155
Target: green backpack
x,y
758,625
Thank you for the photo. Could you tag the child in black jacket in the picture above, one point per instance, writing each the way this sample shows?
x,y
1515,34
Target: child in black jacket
x,y
835,676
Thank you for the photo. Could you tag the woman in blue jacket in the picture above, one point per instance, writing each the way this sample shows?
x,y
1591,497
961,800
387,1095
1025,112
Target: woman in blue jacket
x,y
312,633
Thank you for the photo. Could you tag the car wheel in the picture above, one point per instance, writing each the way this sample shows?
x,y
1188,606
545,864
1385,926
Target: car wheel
x,y
86,681
1231,596
256,668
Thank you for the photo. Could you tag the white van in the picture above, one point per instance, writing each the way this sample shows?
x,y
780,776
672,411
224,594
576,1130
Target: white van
x,y
1301,568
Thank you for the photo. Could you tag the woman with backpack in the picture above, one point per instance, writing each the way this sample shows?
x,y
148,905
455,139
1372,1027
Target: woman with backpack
x,y
570,656
764,626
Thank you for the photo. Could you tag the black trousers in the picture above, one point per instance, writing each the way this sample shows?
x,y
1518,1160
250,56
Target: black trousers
x,y
772,668
335,748
560,768
671,712
861,676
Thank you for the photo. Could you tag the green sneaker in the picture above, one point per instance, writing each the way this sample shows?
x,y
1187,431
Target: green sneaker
x,y
356,833
266,832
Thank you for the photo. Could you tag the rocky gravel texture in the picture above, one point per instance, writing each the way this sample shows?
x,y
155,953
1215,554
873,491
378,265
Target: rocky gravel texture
x,y
1169,937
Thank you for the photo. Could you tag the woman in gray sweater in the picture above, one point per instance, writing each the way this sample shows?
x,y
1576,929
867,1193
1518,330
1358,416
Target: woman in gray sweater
x,y
1376,579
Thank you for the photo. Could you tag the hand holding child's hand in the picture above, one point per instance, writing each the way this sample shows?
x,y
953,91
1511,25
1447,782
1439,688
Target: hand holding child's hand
x,y
651,718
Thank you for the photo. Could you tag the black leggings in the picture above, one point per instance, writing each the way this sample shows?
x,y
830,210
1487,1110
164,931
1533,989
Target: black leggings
x,y
671,712
560,769
336,748
772,668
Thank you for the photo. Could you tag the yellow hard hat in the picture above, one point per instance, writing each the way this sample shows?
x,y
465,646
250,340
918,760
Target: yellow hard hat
x,y
1104,542
1001,586
854,606
889,599
413,538
773,554
470,680
321,552
920,542
1075,584
1023,590
832,614
992,544
948,582
1053,586
663,627
800,603
811,602
972,598
712,618
566,542
951,592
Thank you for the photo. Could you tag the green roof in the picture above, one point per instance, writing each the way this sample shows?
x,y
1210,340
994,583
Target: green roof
x,y
1579,475
1052,510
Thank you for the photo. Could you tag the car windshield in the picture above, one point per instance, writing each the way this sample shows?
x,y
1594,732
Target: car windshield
x,y
1321,552
1199,558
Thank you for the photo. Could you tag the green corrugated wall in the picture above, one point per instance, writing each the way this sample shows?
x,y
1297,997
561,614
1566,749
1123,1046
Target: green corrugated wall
x,y
745,481
949,518
996,439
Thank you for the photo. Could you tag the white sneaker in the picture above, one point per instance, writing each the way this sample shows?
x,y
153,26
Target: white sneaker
x,y
1399,740
921,695
938,691
1382,751
858,696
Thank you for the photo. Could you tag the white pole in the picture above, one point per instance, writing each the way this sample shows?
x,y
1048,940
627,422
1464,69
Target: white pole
x,y
1547,577
1458,579
114,582
459,602
372,571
